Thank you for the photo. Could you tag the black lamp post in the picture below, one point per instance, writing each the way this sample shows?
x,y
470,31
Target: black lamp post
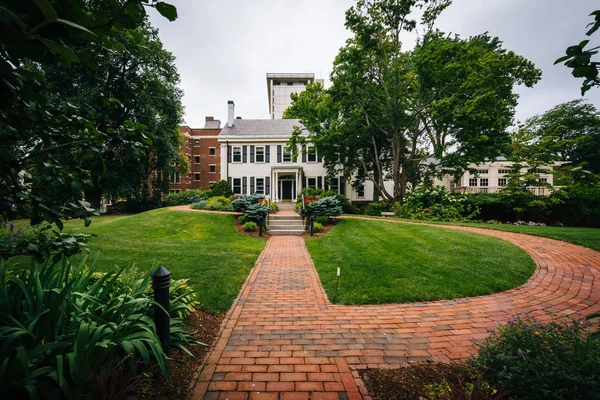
x,y
161,281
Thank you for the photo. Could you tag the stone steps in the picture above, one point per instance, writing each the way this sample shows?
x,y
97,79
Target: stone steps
x,y
282,225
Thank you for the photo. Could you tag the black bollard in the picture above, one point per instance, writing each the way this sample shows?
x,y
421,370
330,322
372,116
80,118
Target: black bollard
x,y
312,225
161,281
260,226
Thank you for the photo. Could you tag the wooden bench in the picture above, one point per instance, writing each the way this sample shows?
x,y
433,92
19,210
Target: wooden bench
x,y
388,214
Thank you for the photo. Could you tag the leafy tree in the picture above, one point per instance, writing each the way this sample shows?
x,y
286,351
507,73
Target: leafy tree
x,y
580,60
569,131
388,109
144,79
35,129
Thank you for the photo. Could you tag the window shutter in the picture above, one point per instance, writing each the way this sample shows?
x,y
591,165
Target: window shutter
x,y
244,154
244,184
229,181
342,186
251,185
326,185
267,154
229,154
319,182
251,154
303,154
267,185
279,154
303,181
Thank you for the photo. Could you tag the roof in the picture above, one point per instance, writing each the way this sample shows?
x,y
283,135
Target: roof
x,y
260,128
214,124
285,75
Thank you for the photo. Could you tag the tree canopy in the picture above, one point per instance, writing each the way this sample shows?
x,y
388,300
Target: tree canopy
x,y
38,127
389,109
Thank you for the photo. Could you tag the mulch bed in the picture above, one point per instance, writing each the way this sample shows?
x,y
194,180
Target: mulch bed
x,y
416,381
181,371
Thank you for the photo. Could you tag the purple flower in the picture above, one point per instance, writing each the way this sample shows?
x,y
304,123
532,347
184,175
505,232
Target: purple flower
x,y
12,227
19,232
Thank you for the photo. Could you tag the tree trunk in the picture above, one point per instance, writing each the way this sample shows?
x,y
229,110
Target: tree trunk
x,y
94,196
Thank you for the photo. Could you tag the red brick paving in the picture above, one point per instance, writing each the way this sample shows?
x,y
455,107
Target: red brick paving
x,y
282,339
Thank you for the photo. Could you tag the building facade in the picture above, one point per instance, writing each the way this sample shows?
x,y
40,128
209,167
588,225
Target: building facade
x,y
279,88
202,151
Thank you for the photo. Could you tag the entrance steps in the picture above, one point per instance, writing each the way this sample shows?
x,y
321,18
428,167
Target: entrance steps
x,y
285,225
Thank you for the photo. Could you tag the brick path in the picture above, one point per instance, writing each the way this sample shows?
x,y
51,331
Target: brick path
x,y
282,339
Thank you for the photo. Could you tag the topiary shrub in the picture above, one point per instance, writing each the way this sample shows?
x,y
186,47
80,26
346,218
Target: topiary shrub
x,y
221,188
375,208
530,360
317,227
250,226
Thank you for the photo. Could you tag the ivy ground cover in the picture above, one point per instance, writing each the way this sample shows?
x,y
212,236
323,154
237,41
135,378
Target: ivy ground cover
x,y
203,247
383,262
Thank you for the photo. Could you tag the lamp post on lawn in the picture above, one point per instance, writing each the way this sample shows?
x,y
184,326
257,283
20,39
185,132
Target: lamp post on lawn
x,y
161,281
312,225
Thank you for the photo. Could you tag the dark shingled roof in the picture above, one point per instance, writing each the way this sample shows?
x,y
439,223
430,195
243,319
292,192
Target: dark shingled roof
x,y
260,127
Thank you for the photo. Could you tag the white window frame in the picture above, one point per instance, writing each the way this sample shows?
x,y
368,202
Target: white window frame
x,y
308,184
174,191
212,151
211,182
196,142
483,171
260,185
502,181
262,154
484,182
175,177
504,171
196,158
286,154
335,186
313,155
239,185
212,168
472,182
360,191
196,174
233,154
544,180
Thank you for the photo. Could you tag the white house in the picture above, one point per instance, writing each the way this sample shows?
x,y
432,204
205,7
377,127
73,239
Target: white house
x,y
254,159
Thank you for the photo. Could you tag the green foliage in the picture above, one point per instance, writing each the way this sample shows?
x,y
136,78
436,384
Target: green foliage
x,y
199,205
61,326
317,227
437,204
256,211
242,203
322,219
254,207
242,219
216,203
326,206
50,143
580,206
580,60
221,188
532,360
250,226
377,207
188,197
347,206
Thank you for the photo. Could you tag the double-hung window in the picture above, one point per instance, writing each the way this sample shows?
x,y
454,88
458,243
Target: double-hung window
x,y
175,177
483,182
287,155
360,191
311,183
237,154
237,186
311,154
260,185
472,181
501,181
260,154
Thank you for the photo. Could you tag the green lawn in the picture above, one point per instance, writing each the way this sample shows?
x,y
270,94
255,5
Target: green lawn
x,y
586,237
383,262
204,247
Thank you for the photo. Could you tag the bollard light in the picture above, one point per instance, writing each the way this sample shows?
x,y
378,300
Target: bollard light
x,y
161,282
312,225
260,225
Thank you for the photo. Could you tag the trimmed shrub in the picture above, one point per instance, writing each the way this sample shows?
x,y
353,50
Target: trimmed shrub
x,y
221,188
242,219
318,227
376,208
250,226
580,207
530,360
326,206
255,211
435,203
322,219
187,197
242,203
199,205
222,200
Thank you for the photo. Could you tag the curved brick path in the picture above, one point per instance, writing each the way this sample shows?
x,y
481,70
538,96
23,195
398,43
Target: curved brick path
x,y
282,339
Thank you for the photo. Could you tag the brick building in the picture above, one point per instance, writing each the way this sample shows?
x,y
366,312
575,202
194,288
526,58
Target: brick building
x,y
201,148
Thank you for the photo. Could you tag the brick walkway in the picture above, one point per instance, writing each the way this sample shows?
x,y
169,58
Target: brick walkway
x,y
282,339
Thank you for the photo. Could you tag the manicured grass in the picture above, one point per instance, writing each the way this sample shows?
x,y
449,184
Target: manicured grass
x,y
384,262
204,247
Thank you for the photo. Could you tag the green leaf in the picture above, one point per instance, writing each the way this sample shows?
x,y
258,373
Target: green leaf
x,y
167,10
47,9
573,50
563,58
60,49
74,25
583,43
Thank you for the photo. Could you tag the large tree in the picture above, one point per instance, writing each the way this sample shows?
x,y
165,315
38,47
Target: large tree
x,y
142,79
35,128
389,109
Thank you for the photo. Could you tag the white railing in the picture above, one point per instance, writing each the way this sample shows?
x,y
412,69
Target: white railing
x,y
537,190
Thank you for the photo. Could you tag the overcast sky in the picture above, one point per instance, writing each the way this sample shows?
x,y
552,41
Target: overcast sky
x,y
224,48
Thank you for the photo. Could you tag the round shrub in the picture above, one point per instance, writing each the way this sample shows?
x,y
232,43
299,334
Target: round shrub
x,y
318,227
376,208
322,219
242,219
199,205
530,360
222,200
250,226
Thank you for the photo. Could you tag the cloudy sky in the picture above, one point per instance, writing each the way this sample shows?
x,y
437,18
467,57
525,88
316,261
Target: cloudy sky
x,y
225,48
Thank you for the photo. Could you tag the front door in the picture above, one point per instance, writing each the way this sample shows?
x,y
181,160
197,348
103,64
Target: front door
x,y
286,190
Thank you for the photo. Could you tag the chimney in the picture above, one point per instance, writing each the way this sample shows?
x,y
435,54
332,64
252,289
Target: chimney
x,y
231,110
209,118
